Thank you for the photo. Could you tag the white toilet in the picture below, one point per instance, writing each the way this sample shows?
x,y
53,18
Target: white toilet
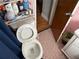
x,y
31,47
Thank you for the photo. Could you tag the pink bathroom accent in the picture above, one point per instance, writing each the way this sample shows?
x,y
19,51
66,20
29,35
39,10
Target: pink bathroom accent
x,y
74,23
50,47
30,4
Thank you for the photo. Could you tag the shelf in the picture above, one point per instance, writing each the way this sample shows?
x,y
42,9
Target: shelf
x,y
21,17
18,19
1,3
21,21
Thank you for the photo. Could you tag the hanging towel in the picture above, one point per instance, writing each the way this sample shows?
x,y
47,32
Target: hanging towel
x,y
8,32
6,53
9,43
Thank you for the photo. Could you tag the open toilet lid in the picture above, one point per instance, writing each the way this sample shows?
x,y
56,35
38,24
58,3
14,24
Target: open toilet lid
x,y
26,33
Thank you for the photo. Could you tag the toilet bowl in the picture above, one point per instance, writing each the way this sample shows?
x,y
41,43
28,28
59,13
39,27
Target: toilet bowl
x,y
31,47
32,50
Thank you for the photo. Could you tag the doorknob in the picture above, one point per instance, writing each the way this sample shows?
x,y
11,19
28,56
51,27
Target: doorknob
x,y
68,14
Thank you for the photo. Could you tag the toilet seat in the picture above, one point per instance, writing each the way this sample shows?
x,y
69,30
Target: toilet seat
x,y
29,31
31,47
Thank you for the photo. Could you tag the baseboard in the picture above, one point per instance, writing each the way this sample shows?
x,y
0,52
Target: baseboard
x,y
44,16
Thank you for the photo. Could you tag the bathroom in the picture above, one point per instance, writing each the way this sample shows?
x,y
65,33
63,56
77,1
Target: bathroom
x,y
39,29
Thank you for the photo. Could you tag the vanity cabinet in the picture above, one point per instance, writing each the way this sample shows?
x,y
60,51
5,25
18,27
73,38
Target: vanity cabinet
x,y
72,48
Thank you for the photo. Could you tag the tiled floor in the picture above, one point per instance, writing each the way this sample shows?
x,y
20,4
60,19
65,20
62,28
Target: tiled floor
x,y
51,50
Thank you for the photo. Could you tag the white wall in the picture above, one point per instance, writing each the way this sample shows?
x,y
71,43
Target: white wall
x,y
52,13
46,8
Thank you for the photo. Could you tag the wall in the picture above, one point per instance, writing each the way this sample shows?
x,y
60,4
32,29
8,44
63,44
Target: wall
x,y
53,10
74,22
47,5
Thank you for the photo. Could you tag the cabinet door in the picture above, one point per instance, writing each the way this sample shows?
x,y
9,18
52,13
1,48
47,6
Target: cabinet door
x,y
73,52
60,19
76,42
72,48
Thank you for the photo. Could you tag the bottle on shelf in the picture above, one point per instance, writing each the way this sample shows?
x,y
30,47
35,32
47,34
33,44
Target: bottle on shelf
x,y
10,13
15,8
8,7
25,4
2,11
20,6
30,4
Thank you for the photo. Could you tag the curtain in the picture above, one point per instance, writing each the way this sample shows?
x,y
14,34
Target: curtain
x,y
10,47
6,53
8,32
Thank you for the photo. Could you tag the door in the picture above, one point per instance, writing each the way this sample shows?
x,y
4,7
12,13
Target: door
x,y
60,17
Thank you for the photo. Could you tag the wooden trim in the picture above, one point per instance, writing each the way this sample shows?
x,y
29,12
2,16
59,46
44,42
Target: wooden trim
x,y
65,54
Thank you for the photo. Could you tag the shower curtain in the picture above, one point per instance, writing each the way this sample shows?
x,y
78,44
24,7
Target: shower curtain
x,y
10,47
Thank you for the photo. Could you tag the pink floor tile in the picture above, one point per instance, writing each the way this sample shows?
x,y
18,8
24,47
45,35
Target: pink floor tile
x,y
50,47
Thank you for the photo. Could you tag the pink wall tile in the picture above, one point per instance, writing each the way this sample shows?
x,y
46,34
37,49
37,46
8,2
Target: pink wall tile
x,y
74,23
